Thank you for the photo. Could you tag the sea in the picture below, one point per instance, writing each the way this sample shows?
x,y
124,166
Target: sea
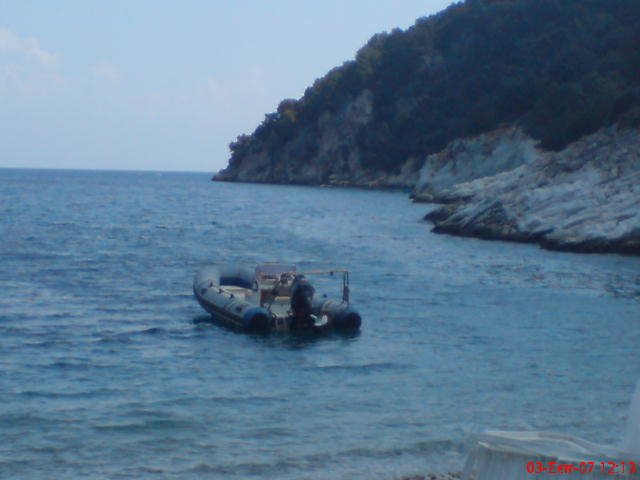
x,y
110,369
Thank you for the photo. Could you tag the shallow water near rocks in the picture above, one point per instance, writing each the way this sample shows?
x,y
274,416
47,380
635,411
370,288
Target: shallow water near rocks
x,y
109,368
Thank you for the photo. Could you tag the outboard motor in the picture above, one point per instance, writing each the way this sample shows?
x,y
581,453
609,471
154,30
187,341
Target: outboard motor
x,y
301,295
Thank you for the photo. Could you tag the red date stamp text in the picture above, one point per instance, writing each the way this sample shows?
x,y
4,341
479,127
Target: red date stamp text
x,y
583,468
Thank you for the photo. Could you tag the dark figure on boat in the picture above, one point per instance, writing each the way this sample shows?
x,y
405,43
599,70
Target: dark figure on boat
x,y
301,294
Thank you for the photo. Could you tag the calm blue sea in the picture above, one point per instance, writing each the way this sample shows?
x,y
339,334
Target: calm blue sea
x,y
110,369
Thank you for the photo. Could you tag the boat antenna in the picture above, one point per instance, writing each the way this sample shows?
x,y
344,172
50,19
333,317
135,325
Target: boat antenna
x,y
345,287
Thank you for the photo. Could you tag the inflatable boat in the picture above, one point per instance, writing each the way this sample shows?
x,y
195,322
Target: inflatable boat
x,y
273,297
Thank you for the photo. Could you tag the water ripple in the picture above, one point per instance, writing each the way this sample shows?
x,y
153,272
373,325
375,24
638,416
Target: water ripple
x,y
110,369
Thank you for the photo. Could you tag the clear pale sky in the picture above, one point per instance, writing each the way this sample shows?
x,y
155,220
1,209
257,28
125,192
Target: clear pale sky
x,y
159,85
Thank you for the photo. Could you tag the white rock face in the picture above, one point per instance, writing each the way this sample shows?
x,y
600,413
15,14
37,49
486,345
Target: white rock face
x,y
467,159
585,197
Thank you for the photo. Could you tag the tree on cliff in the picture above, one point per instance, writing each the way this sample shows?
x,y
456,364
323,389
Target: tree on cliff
x,y
558,69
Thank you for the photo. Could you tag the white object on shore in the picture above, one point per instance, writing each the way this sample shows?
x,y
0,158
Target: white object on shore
x,y
501,455
631,442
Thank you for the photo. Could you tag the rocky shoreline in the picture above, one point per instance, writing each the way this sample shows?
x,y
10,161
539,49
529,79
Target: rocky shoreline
x,y
585,198
501,185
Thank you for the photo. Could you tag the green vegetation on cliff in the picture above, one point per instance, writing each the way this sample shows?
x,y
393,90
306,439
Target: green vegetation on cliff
x,y
560,69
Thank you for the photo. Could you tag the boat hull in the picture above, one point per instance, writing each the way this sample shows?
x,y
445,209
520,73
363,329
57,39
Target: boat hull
x,y
220,292
209,289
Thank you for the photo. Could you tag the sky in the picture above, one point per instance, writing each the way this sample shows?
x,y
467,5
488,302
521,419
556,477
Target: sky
x,y
159,85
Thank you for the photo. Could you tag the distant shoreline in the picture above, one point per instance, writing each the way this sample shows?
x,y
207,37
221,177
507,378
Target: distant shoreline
x,y
501,185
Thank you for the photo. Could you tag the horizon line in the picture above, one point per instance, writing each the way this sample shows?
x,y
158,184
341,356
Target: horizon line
x,y
121,170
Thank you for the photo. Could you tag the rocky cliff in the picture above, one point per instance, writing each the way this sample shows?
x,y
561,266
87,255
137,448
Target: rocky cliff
x,y
466,159
584,198
335,158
